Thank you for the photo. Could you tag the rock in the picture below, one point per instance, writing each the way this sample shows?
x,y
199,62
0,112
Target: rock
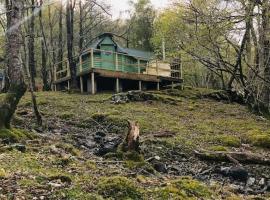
x,y
100,134
19,147
55,185
98,139
132,96
160,167
108,147
157,157
262,182
236,173
250,181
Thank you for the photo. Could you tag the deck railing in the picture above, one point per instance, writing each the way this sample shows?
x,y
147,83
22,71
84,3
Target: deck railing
x,y
117,62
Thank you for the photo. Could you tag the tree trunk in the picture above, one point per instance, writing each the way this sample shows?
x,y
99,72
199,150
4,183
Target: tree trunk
x,y
60,37
17,86
44,71
81,39
70,38
31,47
266,52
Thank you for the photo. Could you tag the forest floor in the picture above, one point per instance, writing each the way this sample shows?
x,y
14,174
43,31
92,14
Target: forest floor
x,y
76,157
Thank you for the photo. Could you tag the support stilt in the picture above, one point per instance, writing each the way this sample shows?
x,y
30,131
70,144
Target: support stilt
x,y
93,83
117,86
81,84
158,86
140,85
68,85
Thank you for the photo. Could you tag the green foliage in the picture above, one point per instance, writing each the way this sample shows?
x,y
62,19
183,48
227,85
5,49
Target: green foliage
x,y
118,187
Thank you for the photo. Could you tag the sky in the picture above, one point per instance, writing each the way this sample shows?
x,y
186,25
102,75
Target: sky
x,y
120,6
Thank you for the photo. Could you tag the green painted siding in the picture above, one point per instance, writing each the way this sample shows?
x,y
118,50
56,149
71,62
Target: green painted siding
x,y
106,59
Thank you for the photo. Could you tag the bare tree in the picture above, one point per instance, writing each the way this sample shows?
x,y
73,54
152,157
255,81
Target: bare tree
x,y
15,71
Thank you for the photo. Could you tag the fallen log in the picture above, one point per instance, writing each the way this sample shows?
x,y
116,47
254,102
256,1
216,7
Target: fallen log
x,y
236,157
131,142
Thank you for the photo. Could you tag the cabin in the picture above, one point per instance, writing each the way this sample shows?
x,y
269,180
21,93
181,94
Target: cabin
x,y
107,66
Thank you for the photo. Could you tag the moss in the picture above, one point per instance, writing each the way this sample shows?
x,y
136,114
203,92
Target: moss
x,y
3,173
218,148
69,148
66,115
259,138
15,135
228,140
78,194
183,188
119,188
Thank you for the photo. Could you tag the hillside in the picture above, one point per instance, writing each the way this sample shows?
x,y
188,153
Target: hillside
x,y
77,156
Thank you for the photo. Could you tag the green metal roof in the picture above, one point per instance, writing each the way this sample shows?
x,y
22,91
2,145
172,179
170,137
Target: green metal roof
x,y
144,55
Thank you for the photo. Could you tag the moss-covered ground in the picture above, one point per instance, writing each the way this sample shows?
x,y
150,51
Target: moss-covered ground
x,y
53,167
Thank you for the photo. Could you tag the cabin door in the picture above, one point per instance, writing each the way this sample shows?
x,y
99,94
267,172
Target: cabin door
x,y
108,57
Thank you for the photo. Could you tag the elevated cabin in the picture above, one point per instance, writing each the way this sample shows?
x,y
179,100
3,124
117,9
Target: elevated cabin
x,y
106,66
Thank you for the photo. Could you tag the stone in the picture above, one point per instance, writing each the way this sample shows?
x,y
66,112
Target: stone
x,y
160,167
236,173
262,182
19,147
250,181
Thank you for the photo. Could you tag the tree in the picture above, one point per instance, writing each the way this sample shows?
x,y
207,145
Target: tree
x,y
17,87
31,45
70,6
140,26
266,52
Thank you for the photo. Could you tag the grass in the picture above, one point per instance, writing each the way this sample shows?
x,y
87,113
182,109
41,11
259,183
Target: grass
x,y
197,124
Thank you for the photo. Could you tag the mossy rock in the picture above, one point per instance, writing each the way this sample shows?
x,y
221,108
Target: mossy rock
x,y
259,138
119,188
15,135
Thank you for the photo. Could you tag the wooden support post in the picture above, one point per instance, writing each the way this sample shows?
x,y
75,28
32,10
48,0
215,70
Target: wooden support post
x,y
172,85
140,85
93,83
68,69
81,84
158,86
92,58
117,85
68,85
55,87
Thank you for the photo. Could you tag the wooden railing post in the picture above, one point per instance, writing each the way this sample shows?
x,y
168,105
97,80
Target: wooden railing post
x,y
81,69
68,69
92,58
139,66
116,62
157,67
55,73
